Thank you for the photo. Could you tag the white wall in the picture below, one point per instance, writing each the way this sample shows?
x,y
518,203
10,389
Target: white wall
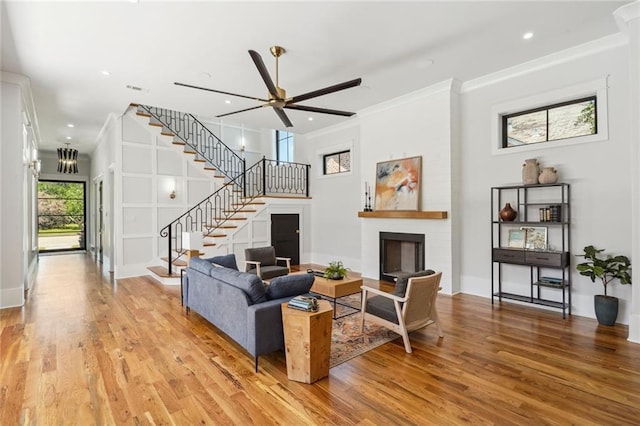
x,y
335,227
18,253
419,124
599,172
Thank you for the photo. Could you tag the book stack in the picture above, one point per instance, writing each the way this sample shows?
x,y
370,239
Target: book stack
x,y
551,281
551,214
304,303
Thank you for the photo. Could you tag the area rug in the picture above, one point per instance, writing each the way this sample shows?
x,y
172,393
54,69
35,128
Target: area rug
x,y
347,341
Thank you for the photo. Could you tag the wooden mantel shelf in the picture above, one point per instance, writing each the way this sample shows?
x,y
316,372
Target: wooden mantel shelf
x,y
394,214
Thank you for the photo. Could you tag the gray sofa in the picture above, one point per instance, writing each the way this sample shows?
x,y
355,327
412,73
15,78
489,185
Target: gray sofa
x,y
239,304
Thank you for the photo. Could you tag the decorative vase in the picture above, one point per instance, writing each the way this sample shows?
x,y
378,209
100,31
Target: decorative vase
x,y
530,171
549,175
508,214
606,309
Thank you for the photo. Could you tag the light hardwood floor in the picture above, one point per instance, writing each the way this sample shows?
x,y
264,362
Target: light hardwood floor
x,y
87,351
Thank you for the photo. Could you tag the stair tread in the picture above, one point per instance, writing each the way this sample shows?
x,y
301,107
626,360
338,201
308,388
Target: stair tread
x,y
248,203
176,262
215,235
163,272
241,211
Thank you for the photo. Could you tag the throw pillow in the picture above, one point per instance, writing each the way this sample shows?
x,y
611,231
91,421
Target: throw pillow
x,y
403,280
289,286
226,261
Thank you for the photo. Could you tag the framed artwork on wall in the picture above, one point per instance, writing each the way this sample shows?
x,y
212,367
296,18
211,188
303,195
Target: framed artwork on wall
x,y
398,184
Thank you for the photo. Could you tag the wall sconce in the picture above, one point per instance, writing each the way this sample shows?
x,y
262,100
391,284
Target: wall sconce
x,y
35,167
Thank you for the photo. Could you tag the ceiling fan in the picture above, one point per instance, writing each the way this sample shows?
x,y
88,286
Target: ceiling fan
x,y
277,98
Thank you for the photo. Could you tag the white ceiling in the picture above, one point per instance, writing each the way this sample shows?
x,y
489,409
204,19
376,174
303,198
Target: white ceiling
x,y
395,47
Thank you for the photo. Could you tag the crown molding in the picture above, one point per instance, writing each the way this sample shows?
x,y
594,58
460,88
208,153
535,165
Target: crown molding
x,y
599,45
450,85
624,14
27,97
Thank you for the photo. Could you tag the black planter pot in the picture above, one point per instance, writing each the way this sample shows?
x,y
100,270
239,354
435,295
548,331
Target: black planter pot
x,y
606,309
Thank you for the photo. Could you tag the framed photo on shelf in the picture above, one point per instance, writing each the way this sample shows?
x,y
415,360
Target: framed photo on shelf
x,y
536,237
516,238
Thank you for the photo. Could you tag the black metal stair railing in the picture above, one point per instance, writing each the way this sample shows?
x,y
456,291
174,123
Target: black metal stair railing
x,y
214,212
266,177
200,139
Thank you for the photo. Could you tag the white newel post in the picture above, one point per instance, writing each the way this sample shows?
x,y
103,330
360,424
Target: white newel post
x,y
628,19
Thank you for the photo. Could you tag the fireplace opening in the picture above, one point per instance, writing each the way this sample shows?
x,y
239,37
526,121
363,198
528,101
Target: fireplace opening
x,y
400,253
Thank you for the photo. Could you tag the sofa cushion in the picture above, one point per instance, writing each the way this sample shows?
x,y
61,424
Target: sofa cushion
x,y
201,265
226,261
265,255
250,284
289,286
403,280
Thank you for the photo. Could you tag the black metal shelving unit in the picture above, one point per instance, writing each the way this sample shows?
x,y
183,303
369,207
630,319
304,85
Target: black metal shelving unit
x,y
549,281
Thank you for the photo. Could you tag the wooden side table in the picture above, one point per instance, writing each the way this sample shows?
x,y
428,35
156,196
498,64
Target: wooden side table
x,y
307,341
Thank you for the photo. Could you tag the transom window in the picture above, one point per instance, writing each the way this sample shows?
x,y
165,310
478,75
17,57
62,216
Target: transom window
x,y
337,162
284,146
564,120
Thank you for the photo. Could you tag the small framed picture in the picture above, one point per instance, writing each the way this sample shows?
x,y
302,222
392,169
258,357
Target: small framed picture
x,y
536,238
517,238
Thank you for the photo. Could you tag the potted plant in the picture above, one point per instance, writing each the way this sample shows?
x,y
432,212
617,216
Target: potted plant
x,y
335,271
607,269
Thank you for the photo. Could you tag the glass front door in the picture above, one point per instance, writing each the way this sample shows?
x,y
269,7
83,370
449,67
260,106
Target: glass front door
x,y
61,216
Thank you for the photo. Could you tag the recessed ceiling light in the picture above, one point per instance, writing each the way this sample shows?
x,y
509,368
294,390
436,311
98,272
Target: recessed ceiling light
x,y
527,36
70,125
68,138
105,72
228,101
310,118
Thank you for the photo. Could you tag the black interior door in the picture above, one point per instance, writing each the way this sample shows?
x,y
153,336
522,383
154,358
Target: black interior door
x,y
285,236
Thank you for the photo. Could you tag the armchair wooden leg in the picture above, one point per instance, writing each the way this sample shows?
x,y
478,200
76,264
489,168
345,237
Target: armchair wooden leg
x,y
436,318
402,328
257,363
362,311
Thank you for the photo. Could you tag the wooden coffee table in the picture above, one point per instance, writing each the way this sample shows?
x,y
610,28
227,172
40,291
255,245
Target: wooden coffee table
x,y
335,289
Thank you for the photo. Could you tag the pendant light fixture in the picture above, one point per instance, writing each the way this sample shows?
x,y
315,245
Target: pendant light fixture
x,y
67,160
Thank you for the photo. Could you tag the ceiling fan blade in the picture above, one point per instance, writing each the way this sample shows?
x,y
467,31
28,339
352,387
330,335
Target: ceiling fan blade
x,y
320,110
283,116
220,91
262,69
241,110
326,90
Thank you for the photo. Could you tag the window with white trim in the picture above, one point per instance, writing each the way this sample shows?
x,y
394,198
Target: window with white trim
x,y
284,146
336,162
569,119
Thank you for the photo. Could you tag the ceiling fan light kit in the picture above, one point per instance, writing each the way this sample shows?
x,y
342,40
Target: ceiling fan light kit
x,y
277,96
